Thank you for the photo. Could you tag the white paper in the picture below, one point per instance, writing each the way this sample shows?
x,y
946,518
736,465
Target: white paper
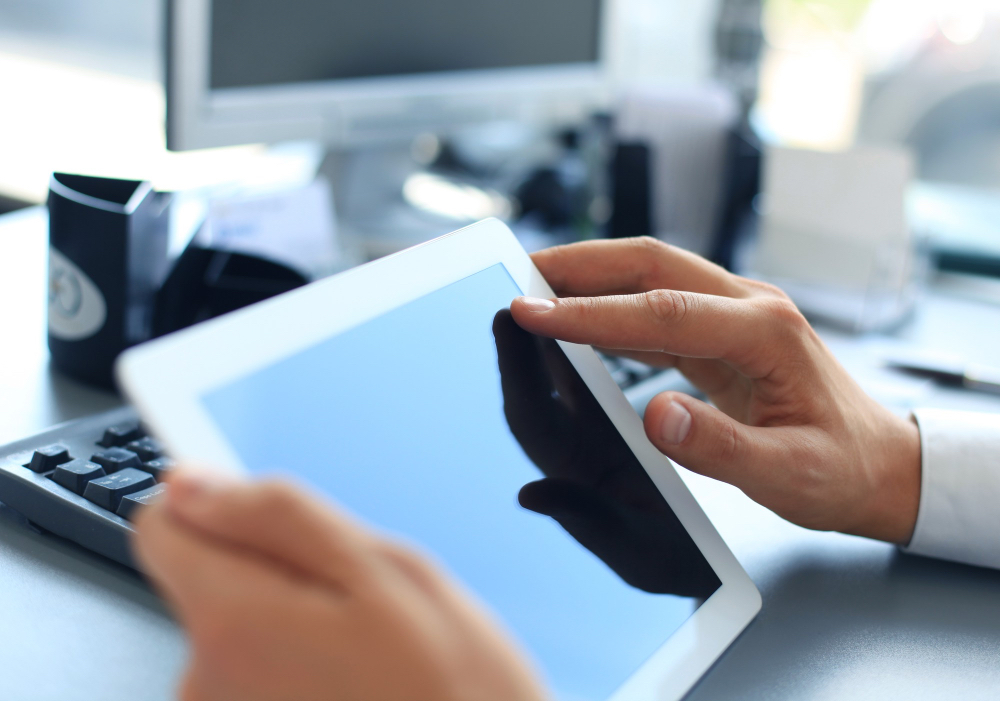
x,y
295,227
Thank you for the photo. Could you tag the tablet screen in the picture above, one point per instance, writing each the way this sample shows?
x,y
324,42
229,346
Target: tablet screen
x,y
445,424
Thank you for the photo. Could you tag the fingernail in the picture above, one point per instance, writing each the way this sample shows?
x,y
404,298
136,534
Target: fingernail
x,y
676,424
536,304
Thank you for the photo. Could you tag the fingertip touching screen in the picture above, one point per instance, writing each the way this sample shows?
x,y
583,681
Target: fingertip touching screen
x,y
444,423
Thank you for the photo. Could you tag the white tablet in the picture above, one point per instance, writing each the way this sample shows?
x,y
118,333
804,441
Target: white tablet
x,y
404,391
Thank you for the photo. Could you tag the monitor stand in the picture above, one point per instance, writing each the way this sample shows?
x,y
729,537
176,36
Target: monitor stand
x,y
374,216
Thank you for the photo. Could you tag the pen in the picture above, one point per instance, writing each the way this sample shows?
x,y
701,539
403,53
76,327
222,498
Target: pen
x,y
971,376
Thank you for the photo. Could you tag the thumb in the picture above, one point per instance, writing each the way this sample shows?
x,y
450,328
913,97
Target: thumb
x,y
707,441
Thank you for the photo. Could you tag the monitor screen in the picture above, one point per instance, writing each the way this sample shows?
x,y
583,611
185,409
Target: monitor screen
x,y
257,43
444,424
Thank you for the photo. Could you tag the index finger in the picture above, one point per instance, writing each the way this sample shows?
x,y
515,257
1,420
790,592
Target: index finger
x,y
747,333
623,266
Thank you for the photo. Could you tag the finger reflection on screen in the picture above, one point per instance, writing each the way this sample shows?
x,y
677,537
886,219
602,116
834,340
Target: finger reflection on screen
x,y
591,483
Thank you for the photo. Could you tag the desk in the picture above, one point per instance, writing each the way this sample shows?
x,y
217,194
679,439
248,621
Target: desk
x,y
75,627
843,617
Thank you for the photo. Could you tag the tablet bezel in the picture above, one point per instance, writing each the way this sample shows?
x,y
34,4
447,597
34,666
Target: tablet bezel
x,y
166,380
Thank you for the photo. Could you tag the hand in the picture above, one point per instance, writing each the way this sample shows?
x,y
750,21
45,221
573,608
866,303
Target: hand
x,y
593,486
283,599
791,428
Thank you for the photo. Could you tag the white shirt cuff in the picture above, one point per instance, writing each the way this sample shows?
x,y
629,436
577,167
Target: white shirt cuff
x,y
959,516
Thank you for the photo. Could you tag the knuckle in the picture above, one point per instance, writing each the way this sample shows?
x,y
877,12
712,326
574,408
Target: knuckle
x,y
766,289
583,311
783,313
650,245
730,442
667,306
593,312
654,256
585,306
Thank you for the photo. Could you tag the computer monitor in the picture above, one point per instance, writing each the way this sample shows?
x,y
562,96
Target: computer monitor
x,y
356,73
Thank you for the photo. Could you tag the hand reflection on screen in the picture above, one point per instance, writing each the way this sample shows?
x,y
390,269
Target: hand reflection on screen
x,y
593,485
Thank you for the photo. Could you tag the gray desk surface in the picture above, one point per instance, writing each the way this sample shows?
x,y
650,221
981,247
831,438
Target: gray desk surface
x,y
843,617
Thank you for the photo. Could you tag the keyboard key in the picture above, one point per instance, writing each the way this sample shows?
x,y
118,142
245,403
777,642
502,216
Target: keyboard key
x,y
107,492
146,448
157,467
640,370
131,503
119,435
114,459
75,474
47,458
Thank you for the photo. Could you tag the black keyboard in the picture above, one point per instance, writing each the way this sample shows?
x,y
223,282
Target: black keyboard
x,y
85,479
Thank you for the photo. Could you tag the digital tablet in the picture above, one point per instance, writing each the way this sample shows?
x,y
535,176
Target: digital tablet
x,y
405,392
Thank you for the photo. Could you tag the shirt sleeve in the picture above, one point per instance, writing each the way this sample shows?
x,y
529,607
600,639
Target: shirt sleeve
x,y
959,513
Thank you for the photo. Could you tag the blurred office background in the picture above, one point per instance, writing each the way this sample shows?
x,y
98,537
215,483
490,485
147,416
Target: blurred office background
x,y
925,73
78,79
81,87
81,90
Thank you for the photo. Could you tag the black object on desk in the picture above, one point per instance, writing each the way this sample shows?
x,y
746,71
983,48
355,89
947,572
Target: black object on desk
x,y
206,282
107,258
109,287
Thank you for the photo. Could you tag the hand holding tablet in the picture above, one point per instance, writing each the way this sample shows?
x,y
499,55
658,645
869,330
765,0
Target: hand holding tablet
x,y
283,598
791,429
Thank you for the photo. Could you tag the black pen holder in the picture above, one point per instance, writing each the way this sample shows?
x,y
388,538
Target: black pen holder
x,y
107,258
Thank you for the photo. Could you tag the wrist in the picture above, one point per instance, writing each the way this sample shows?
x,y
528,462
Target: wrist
x,y
898,496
